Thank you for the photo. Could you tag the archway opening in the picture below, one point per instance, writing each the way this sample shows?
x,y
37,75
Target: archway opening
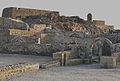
x,y
101,47
106,50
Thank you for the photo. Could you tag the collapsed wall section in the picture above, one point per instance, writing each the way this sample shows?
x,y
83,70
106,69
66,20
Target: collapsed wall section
x,y
8,23
4,36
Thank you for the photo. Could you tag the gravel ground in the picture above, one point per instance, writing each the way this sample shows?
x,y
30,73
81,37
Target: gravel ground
x,y
91,72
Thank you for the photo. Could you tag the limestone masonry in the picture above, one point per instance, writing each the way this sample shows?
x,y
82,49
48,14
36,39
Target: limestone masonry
x,y
14,13
11,70
70,40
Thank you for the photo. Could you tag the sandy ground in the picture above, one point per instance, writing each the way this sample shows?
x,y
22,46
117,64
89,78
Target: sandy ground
x,y
91,72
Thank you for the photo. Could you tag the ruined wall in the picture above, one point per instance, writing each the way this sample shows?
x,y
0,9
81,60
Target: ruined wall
x,y
40,27
8,23
12,70
105,28
116,47
22,32
4,36
14,13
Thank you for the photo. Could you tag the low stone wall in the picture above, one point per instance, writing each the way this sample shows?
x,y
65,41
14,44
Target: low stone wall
x,y
11,70
22,32
50,64
73,62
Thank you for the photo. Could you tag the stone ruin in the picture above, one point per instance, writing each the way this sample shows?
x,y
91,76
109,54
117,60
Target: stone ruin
x,y
71,40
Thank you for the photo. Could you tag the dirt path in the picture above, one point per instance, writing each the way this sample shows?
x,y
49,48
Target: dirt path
x,y
91,72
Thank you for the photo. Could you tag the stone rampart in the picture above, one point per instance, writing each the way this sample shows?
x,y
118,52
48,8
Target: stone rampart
x,y
13,12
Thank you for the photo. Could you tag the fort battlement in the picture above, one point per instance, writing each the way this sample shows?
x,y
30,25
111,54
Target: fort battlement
x,y
13,12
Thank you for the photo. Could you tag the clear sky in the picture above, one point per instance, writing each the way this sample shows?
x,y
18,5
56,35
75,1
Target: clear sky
x,y
107,10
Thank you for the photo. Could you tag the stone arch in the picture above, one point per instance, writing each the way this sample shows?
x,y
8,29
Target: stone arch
x,y
104,41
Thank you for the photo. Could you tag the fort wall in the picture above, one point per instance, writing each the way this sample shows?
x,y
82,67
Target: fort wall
x,y
99,22
13,12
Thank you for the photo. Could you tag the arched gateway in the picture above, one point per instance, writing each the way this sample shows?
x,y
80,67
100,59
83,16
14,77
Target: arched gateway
x,y
104,47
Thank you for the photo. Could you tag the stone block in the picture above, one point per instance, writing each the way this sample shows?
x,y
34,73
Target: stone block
x,y
117,55
66,57
72,62
50,64
108,62
60,56
57,55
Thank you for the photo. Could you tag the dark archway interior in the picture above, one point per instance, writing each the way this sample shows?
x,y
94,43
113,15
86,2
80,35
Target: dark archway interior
x,y
106,50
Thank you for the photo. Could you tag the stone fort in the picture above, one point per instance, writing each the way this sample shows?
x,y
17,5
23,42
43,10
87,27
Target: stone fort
x,y
47,33
14,13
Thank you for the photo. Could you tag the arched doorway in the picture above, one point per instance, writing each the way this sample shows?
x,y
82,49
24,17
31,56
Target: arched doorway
x,y
101,47
106,49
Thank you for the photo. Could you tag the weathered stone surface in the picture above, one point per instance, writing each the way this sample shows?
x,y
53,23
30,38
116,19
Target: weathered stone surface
x,y
87,61
60,56
11,70
57,55
72,62
66,57
50,64
8,23
14,13
108,62
117,55
4,36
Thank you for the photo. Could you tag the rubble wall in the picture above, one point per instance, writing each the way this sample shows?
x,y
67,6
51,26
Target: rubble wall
x,y
14,12
11,70
8,23
4,35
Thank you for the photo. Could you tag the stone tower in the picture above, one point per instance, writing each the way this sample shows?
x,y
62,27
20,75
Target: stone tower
x,y
89,17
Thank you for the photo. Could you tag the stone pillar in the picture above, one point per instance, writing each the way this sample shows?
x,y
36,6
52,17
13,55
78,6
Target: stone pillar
x,y
38,40
66,57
